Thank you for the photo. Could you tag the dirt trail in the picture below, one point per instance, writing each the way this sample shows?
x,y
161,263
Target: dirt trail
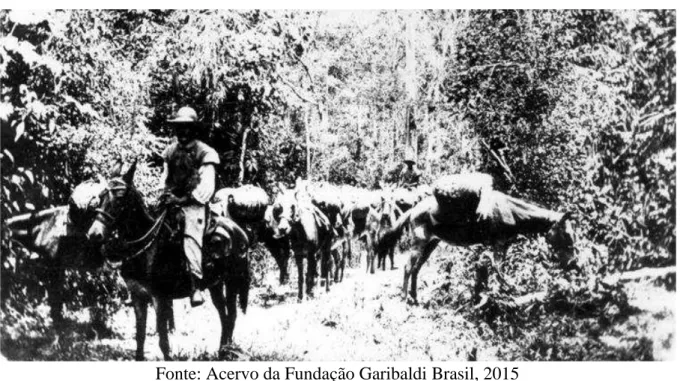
x,y
362,318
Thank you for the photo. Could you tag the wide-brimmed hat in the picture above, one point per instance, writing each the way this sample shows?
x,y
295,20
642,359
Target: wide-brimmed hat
x,y
410,158
185,116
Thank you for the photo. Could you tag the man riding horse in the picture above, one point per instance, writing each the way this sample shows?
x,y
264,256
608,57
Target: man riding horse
x,y
189,181
410,175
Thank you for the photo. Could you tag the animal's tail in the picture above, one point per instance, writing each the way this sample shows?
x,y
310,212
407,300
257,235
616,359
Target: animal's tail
x,y
389,240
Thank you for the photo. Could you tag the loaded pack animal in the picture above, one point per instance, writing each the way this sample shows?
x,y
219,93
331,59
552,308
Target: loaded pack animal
x,y
327,198
380,222
407,198
362,204
154,266
294,217
394,202
247,206
57,235
464,211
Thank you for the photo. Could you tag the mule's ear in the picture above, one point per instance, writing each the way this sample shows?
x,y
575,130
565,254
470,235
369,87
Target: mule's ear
x,y
117,168
129,176
566,216
278,188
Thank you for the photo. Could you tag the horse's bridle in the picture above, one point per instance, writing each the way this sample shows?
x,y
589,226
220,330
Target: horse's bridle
x,y
104,217
108,220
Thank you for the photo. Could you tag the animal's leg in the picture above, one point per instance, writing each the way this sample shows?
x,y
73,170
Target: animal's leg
x,y
481,278
349,248
425,251
332,263
140,306
218,299
408,267
391,251
171,319
343,259
311,273
285,256
325,267
361,244
336,260
281,253
370,254
419,254
232,291
163,309
282,262
383,260
55,276
300,269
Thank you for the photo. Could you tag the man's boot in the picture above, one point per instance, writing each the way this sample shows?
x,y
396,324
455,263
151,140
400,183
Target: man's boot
x,y
196,296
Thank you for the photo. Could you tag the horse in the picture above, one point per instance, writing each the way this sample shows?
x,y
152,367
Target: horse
x,y
292,216
57,235
247,206
153,263
443,217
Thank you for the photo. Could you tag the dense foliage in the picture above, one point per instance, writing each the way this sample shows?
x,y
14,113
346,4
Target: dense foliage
x,y
572,109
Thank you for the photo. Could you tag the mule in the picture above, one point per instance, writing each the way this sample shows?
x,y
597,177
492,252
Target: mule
x,y
247,206
358,207
327,198
57,235
431,222
308,232
381,221
154,266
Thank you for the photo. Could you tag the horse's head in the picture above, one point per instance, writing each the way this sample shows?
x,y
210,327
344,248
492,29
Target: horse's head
x,y
117,202
281,215
561,237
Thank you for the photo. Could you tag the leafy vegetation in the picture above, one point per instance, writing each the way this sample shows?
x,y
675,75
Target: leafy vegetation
x,y
571,109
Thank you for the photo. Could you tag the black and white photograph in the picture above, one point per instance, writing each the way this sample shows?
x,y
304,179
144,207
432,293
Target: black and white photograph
x,y
312,185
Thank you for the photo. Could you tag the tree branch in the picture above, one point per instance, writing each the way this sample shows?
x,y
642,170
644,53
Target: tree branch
x,y
506,169
296,92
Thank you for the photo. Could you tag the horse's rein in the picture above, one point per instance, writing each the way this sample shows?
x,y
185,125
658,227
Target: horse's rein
x,y
107,219
100,214
150,236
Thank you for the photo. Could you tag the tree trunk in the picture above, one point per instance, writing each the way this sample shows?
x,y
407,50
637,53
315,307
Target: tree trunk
x,y
308,139
242,161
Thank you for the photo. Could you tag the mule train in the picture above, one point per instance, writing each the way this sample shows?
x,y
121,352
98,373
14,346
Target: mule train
x,y
313,222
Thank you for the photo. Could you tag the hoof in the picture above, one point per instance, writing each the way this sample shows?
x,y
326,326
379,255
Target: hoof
x,y
411,301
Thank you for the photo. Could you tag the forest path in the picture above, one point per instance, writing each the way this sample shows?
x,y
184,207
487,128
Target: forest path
x,y
362,319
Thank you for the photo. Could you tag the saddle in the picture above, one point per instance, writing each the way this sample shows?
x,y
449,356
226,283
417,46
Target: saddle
x,y
215,231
